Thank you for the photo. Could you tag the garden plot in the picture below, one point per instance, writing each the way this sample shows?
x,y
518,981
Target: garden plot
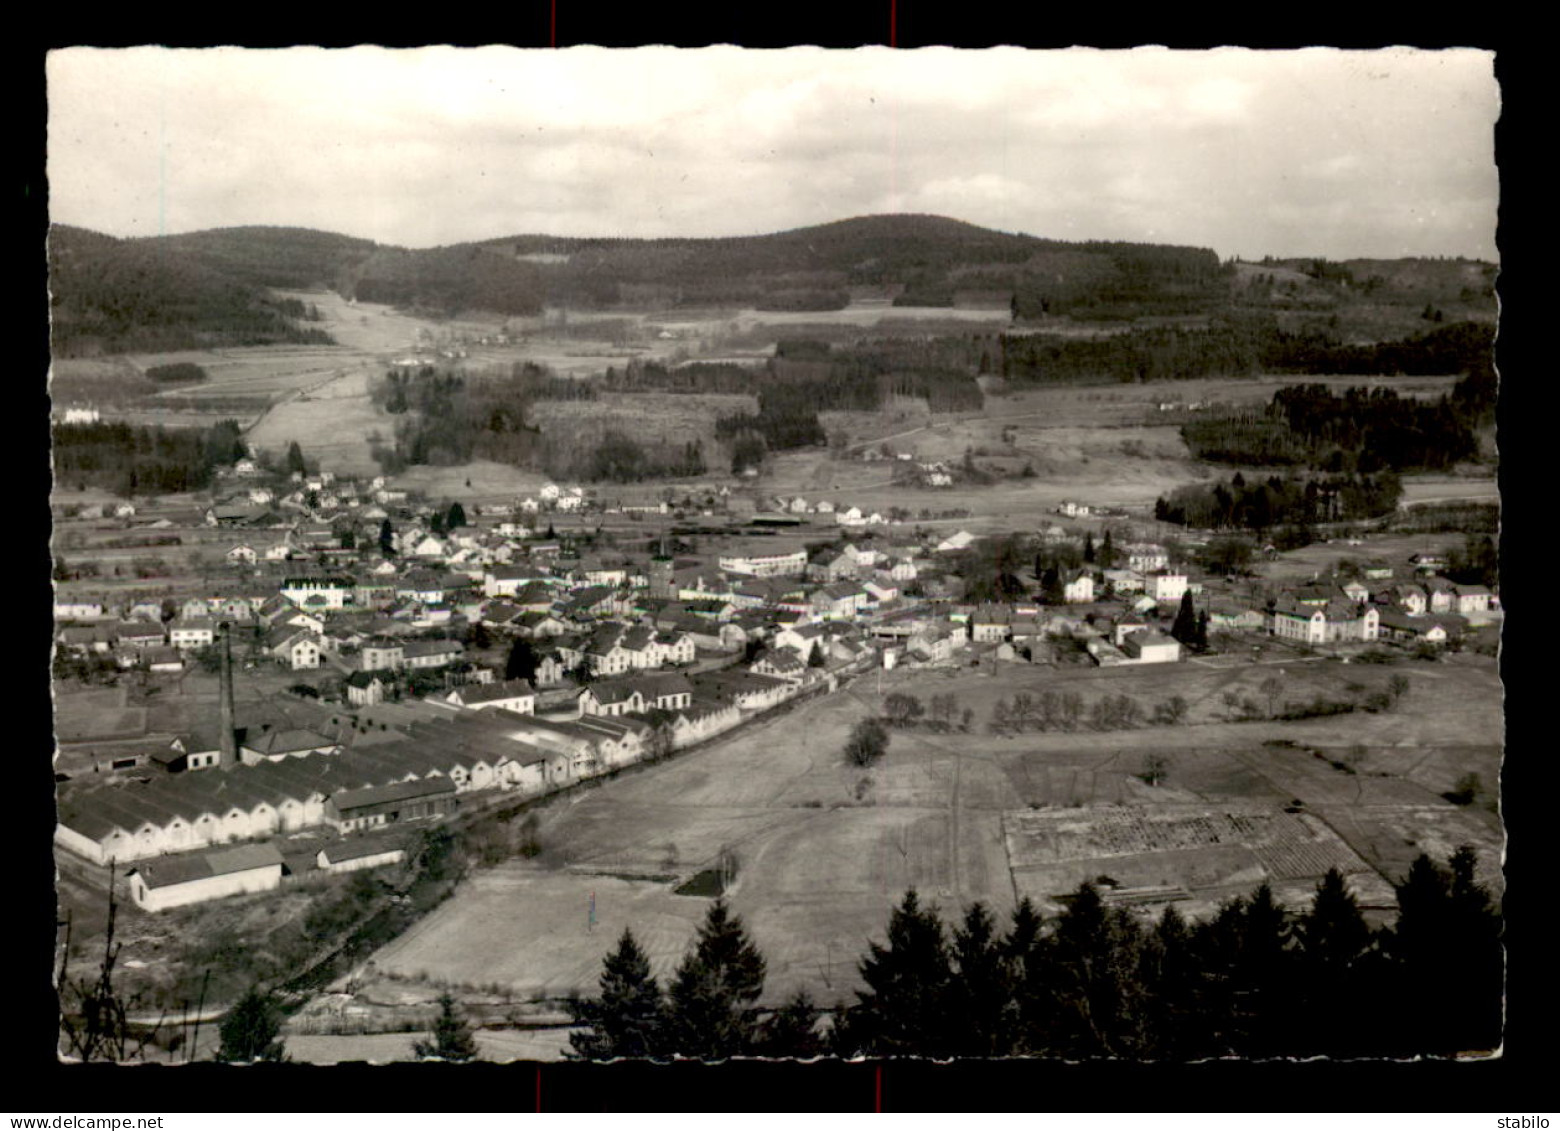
x,y
1173,851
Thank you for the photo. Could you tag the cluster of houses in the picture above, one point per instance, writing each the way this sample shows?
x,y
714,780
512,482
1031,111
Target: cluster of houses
x,y
846,514
633,656
1378,606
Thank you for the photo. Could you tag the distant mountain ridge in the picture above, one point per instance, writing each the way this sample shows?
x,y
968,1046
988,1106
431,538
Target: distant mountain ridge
x,y
210,287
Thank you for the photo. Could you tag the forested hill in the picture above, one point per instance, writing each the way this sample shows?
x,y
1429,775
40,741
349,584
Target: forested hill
x,y
289,258
211,288
444,280
109,295
870,248
929,260
208,288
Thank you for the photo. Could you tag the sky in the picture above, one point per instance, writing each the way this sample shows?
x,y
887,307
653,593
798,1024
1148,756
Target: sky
x,y
1313,152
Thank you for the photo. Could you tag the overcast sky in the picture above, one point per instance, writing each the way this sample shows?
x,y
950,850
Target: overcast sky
x,y
1313,152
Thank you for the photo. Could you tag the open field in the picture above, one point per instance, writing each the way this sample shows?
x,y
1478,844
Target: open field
x,y
490,482
1420,489
376,329
1322,557
1002,505
824,850
96,712
100,381
330,421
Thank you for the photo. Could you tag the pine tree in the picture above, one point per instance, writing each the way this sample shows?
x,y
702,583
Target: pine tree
x,y
1051,589
1091,967
456,517
387,539
1107,553
792,1030
1474,996
980,990
711,1011
903,1009
1335,1013
1423,971
628,1018
815,657
295,461
1088,548
1263,974
452,1038
251,1030
1171,973
1333,934
1185,627
1027,1017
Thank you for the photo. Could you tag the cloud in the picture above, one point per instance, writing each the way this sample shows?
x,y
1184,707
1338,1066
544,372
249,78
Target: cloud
x,y
1222,148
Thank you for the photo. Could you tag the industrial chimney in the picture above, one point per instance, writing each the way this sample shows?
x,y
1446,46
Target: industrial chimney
x,y
226,732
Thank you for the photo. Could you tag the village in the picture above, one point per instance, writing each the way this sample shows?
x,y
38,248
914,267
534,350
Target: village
x,y
427,661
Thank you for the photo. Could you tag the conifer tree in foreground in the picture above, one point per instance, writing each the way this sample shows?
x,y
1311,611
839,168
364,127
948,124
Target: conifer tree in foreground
x,y
1332,968
452,1038
1447,959
711,1002
903,1010
1091,964
627,1019
979,990
792,1030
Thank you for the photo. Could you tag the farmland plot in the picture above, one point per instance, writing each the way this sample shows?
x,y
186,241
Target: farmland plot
x,y
825,850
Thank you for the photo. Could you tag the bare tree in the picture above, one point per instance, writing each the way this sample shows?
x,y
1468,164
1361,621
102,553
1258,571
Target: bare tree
x,y
94,1014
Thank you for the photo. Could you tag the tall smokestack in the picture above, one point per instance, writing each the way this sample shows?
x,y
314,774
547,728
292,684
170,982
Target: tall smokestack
x,y
226,733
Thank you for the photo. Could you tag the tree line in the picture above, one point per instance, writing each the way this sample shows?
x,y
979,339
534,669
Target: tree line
x,y
1096,980
139,460
1239,345
1123,281
1359,429
1280,501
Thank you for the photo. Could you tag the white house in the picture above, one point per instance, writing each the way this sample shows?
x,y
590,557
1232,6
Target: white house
x,y
1150,646
317,592
350,854
1166,585
431,653
195,877
187,634
78,610
298,648
511,695
1325,624
1078,588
